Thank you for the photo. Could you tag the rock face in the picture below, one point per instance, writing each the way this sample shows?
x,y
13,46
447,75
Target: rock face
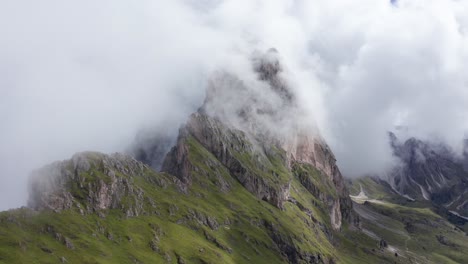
x,y
257,129
247,168
430,172
253,167
208,196
90,182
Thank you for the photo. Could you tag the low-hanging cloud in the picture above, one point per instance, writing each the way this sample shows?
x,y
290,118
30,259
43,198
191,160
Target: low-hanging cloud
x,y
89,75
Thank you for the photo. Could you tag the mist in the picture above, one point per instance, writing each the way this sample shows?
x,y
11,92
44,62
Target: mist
x,y
89,75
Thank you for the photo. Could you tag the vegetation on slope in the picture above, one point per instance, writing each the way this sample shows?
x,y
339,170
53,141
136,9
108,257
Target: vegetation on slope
x,y
412,230
204,225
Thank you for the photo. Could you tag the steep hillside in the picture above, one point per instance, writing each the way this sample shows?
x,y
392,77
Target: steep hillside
x,y
430,172
411,229
248,181
97,208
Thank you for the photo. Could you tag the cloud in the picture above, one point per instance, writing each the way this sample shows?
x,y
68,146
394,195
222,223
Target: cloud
x,y
89,75
408,71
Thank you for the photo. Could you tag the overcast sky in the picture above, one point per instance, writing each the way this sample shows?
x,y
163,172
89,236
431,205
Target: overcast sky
x,y
88,75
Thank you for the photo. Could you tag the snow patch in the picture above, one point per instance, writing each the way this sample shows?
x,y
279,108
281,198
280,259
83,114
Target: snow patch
x,y
459,215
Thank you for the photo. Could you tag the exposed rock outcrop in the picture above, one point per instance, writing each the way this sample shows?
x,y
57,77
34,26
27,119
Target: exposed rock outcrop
x,y
430,171
249,142
244,160
257,130
90,182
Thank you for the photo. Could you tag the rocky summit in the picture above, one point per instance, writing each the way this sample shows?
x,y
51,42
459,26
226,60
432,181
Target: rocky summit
x,y
249,179
431,172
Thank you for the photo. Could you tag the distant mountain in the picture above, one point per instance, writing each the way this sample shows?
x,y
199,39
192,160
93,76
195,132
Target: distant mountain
x,y
430,172
249,179
245,182
414,230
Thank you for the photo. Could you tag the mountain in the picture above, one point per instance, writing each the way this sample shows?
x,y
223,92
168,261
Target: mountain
x,y
431,172
248,179
412,229
418,207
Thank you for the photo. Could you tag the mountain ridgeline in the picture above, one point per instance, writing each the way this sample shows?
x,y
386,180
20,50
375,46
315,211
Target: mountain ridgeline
x,y
233,189
248,179
431,172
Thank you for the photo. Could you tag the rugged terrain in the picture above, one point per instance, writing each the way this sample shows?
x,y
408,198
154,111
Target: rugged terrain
x,y
431,172
248,180
411,229
419,207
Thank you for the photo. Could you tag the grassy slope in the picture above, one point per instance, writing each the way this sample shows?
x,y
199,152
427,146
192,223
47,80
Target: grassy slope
x,y
173,228
32,237
410,227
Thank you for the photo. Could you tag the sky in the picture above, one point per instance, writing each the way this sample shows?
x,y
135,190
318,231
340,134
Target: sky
x,y
89,75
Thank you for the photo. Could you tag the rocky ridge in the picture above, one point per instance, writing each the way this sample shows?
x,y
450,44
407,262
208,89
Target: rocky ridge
x,y
430,172
90,181
250,127
252,173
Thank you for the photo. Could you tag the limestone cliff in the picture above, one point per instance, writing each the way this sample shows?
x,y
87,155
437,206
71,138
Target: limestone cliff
x,y
258,130
430,171
249,180
91,182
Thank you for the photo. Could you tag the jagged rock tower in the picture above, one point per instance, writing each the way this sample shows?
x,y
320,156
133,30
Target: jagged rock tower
x,y
249,180
251,126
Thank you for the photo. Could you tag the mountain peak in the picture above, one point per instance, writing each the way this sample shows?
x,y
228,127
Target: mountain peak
x,y
254,127
269,68
430,171
262,97
89,181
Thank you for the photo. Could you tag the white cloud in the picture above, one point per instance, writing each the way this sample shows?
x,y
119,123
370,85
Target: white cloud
x,y
88,75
